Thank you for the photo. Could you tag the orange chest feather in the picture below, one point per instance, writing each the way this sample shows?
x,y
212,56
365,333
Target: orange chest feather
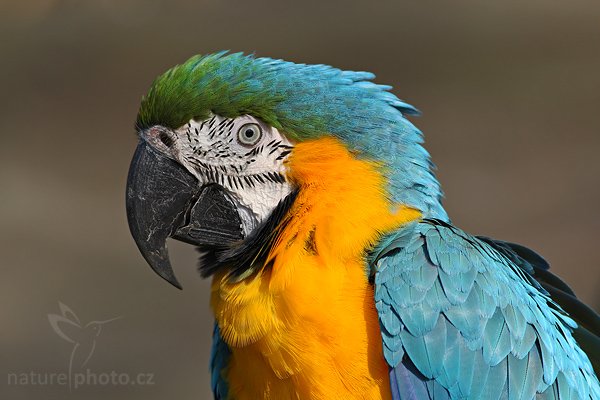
x,y
306,328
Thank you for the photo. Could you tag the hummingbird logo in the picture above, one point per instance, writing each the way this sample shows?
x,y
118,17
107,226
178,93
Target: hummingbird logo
x,y
83,336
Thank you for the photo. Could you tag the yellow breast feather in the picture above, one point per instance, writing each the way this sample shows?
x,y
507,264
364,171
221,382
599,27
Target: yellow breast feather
x,y
305,327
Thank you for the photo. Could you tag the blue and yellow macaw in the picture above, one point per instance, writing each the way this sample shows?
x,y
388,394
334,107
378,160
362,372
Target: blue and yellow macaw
x,y
336,272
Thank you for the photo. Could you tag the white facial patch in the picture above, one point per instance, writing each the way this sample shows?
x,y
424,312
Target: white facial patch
x,y
243,154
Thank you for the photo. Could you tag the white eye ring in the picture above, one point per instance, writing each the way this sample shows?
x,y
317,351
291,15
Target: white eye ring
x,y
249,134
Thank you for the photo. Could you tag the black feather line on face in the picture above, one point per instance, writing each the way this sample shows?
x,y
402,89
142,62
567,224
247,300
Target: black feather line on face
x,y
250,254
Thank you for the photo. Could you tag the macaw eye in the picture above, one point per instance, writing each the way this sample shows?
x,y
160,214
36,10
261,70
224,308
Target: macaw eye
x,y
249,134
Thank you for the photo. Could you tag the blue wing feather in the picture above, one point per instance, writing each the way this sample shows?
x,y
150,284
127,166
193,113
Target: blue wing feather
x,y
461,318
408,383
219,358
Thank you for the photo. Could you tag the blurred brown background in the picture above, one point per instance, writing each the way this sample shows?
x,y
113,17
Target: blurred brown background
x,y
510,93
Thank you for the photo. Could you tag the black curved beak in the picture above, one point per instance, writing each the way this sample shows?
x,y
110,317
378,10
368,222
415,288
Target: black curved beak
x,y
165,200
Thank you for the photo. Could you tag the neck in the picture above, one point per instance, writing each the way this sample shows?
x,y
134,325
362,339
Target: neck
x,y
342,208
408,167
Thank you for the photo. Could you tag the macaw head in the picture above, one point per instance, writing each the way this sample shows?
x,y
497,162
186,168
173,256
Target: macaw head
x,y
215,134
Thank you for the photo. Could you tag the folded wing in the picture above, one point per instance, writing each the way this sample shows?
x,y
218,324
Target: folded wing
x,y
468,317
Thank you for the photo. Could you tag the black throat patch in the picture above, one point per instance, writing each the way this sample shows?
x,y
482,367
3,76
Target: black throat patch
x,y
246,256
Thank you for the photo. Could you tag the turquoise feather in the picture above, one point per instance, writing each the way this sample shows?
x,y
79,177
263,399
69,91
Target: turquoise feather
x,y
504,336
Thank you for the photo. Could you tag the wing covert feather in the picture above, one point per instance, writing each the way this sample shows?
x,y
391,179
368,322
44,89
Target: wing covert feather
x,y
464,318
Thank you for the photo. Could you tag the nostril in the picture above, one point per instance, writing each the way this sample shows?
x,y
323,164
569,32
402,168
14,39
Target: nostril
x,y
161,138
166,139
